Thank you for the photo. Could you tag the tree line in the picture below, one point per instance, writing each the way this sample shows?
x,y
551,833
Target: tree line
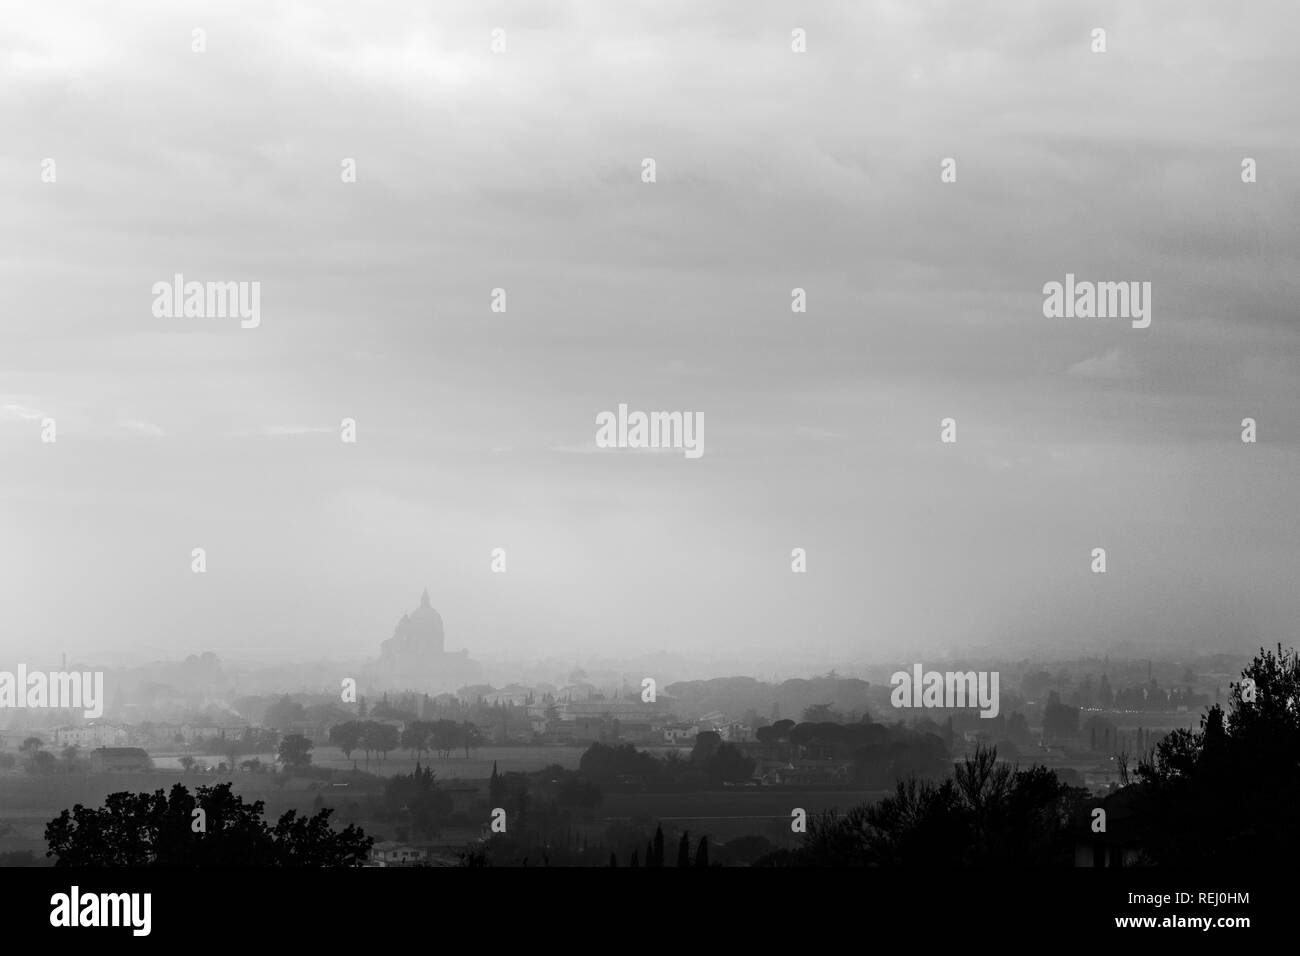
x,y
420,737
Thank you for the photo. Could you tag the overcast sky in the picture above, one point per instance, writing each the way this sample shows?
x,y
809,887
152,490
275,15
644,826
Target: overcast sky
x,y
475,430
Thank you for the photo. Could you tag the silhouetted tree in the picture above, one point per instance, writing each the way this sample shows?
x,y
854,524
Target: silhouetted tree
x,y
496,790
156,829
986,814
702,852
1227,794
417,798
346,736
295,752
415,738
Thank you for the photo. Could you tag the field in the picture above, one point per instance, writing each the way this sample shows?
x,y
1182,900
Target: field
x,y
28,803
728,814
477,767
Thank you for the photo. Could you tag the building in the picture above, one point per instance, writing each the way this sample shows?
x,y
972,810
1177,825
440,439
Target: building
x,y
801,773
713,720
559,732
636,732
737,733
91,735
680,736
513,695
619,708
159,735
416,654
588,730
1101,779
193,732
391,853
119,759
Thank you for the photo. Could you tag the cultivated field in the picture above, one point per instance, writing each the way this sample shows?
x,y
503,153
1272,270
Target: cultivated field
x,y
28,803
478,766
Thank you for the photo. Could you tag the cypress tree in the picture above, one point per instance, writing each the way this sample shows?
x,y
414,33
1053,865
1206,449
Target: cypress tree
x,y
684,850
635,864
702,853
659,846
613,860
649,854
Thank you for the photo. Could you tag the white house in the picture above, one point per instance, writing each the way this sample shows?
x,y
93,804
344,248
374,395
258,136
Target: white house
x,y
391,853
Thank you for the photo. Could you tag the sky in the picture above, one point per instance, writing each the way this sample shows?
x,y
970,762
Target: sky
x,y
475,429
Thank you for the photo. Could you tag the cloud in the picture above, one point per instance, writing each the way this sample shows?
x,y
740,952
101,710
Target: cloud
x,y
141,428
19,411
1115,364
523,172
295,429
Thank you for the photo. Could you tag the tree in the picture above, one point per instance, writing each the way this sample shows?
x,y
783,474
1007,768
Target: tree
x,y
346,736
496,787
295,752
604,763
1105,696
379,738
707,743
684,850
729,765
658,847
418,797
1018,729
187,763
822,714
635,864
415,737
446,736
155,829
470,737
1241,770
986,814
284,713
1059,720
42,762
31,745
232,747
702,852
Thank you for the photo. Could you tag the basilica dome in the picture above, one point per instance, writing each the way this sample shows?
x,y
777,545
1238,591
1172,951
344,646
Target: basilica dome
x,y
418,635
